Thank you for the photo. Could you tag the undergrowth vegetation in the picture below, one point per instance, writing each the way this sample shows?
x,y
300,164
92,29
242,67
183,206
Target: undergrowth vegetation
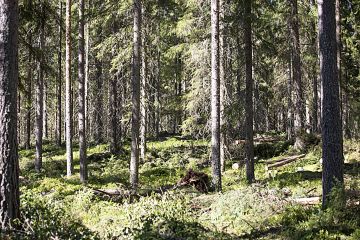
x,y
56,207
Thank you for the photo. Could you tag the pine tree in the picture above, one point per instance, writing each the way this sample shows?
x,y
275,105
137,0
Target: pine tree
x,y
332,142
68,100
135,119
215,96
9,166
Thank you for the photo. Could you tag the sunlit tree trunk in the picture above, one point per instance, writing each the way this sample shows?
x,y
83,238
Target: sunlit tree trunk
x,y
45,112
222,86
215,96
68,105
143,98
82,100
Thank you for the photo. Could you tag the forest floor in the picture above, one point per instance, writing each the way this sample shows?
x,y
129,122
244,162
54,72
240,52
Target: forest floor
x,y
283,203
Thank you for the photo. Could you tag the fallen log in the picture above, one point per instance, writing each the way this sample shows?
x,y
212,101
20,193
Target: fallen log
x,y
258,140
284,161
119,194
198,180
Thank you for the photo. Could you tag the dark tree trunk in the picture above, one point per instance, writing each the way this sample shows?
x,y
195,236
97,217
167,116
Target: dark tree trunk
x,y
290,105
113,107
332,142
82,100
135,119
68,104
59,82
215,96
249,122
9,165
39,91
98,109
299,106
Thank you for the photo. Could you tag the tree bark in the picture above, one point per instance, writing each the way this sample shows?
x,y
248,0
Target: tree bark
x,y
135,119
59,82
222,86
113,107
29,97
249,143
39,91
297,78
143,98
87,47
290,105
45,114
68,104
332,142
9,165
338,54
98,109
215,96
82,100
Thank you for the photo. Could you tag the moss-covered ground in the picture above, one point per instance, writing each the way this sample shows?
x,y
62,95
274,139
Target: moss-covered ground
x,y
57,207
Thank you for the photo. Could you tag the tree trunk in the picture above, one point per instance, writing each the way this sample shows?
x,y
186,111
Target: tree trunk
x,y
135,119
222,87
346,116
82,100
299,105
215,96
39,91
68,104
45,114
143,97
87,47
113,107
28,97
158,93
290,105
59,83
98,109
249,143
332,142
9,165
